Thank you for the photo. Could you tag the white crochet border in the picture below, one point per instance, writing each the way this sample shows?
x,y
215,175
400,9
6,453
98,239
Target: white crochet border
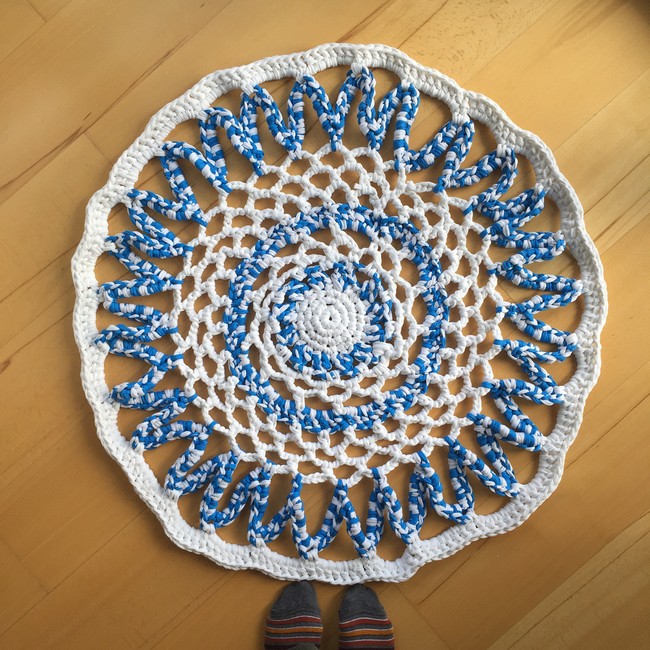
x,y
124,175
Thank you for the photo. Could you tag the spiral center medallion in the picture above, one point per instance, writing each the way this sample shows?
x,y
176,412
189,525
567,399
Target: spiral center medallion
x,y
335,319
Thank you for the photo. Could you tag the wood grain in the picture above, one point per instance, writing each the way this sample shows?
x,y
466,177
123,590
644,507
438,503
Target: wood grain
x,y
83,563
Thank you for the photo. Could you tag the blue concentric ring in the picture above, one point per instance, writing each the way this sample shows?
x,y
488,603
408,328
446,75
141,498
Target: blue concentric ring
x,y
344,282
366,287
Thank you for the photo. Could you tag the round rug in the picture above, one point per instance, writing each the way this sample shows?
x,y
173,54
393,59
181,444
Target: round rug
x,y
337,316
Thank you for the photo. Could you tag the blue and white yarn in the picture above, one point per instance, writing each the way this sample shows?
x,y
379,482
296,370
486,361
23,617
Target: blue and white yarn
x,y
327,315
368,293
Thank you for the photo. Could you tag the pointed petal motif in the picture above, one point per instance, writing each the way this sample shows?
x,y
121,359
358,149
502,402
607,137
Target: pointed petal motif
x,y
155,241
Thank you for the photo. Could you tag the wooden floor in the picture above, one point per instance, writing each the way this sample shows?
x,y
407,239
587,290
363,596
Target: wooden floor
x,y
83,563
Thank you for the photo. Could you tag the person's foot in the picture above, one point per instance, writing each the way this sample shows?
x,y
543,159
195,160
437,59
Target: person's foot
x,y
294,619
363,624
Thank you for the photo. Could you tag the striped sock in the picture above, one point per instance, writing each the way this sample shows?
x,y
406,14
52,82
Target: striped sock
x,y
363,624
294,619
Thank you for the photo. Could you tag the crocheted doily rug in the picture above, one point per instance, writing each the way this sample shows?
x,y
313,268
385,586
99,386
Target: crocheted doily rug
x,y
337,316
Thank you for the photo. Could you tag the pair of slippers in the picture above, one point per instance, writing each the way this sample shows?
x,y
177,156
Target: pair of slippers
x,y
295,621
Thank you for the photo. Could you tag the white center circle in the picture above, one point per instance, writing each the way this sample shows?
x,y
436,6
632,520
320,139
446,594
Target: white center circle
x,y
330,320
